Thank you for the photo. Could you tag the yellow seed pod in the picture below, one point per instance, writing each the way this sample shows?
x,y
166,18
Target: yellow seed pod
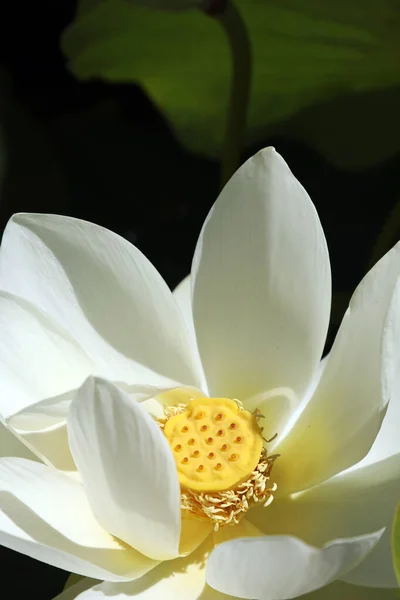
x,y
215,445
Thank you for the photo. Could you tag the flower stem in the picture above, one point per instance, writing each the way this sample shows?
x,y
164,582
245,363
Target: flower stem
x,y
240,50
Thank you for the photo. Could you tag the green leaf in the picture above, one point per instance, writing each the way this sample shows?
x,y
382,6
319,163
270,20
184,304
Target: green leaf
x,y
396,543
323,71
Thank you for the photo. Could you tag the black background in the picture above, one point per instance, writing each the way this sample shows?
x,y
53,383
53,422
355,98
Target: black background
x,y
111,158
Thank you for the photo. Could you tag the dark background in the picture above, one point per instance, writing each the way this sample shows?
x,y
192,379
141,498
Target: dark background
x,y
103,153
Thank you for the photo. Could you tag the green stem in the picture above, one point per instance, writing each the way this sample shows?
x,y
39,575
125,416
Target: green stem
x,y
240,49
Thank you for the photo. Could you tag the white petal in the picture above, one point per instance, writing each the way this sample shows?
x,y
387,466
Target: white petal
x,y
276,407
193,533
45,514
43,428
50,446
280,567
183,296
127,468
104,291
261,283
38,358
10,445
340,423
279,408
387,441
180,579
362,499
43,415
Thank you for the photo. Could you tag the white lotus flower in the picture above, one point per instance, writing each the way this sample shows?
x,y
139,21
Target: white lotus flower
x,y
162,396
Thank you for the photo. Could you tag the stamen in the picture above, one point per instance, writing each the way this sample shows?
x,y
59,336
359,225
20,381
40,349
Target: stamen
x,y
229,507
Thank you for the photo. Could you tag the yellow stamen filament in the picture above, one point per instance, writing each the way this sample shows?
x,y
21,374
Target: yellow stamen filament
x,y
229,506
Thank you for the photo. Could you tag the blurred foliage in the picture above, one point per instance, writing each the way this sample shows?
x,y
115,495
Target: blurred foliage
x,y
396,543
326,73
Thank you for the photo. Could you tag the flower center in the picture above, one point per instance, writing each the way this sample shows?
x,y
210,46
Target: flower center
x,y
216,444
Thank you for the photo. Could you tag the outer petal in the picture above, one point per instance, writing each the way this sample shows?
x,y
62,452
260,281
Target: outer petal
x,y
183,296
359,500
45,514
10,445
104,291
38,358
387,441
127,469
180,579
43,428
339,424
261,283
280,567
